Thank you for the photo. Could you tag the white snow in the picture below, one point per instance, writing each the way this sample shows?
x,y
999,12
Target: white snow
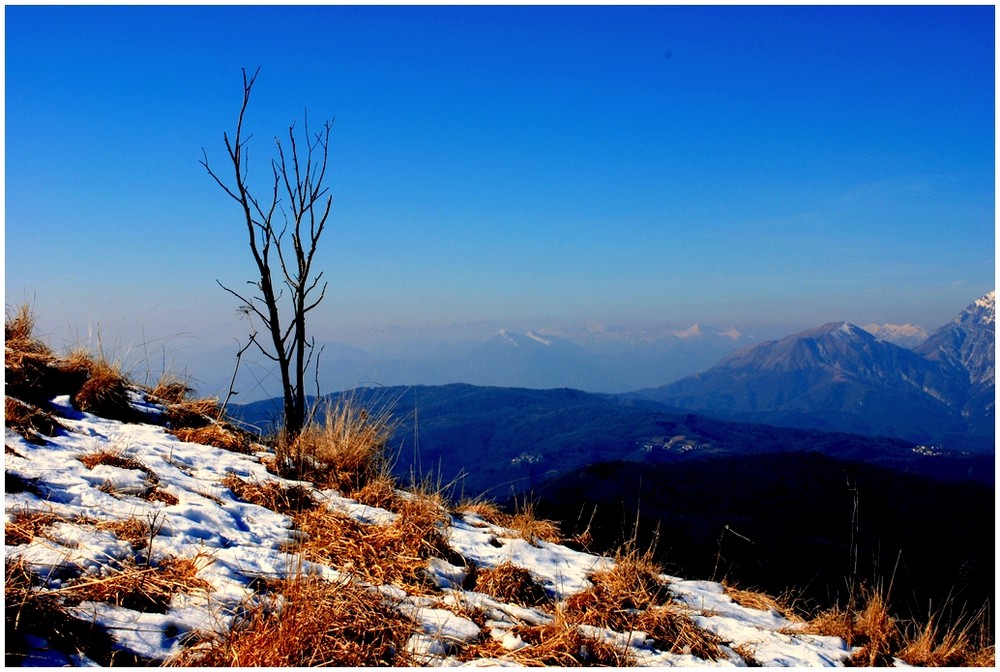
x,y
535,337
234,542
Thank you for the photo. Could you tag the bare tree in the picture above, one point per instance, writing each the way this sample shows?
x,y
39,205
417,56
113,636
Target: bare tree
x,y
296,207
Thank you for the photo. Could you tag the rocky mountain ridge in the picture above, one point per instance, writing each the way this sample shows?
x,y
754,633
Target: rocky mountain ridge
x,y
839,376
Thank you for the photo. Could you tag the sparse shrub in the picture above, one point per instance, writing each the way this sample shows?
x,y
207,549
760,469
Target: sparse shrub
x,y
307,622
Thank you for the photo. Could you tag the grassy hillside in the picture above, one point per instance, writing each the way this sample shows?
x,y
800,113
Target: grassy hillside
x,y
144,528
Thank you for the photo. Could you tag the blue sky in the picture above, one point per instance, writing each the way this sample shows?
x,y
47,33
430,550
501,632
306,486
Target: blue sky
x,y
523,165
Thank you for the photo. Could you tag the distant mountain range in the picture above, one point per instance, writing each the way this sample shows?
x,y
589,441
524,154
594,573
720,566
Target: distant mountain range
x,y
510,358
840,377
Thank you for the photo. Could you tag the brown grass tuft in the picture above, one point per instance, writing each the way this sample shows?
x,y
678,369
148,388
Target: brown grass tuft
x,y
29,421
194,413
673,630
867,624
632,584
523,521
755,599
105,392
144,588
113,458
512,584
19,327
555,644
131,530
170,389
308,622
379,491
217,435
345,452
380,554
25,526
32,371
967,642
271,495
632,596
864,623
30,613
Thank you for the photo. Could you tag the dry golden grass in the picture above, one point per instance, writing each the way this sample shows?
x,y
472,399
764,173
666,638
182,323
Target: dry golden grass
x,y
156,494
512,584
308,622
32,371
530,527
31,612
379,491
672,629
131,530
193,413
632,596
485,509
170,389
345,451
633,583
523,521
105,391
927,647
865,623
555,644
112,457
380,554
217,435
271,495
25,526
755,599
19,327
29,421
144,588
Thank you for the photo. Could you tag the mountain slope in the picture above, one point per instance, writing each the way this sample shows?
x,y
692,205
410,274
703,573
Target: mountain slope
x,y
838,376
127,545
499,441
966,348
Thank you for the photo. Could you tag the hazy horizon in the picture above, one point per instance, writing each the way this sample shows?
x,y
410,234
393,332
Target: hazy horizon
x,y
556,169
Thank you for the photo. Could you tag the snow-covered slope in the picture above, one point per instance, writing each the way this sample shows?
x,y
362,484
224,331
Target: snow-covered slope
x,y
175,490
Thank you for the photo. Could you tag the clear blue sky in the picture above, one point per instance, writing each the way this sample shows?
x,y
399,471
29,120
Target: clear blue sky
x,y
540,165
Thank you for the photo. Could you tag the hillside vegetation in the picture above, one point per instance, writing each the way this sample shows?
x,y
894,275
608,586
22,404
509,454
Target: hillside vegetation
x,y
141,527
